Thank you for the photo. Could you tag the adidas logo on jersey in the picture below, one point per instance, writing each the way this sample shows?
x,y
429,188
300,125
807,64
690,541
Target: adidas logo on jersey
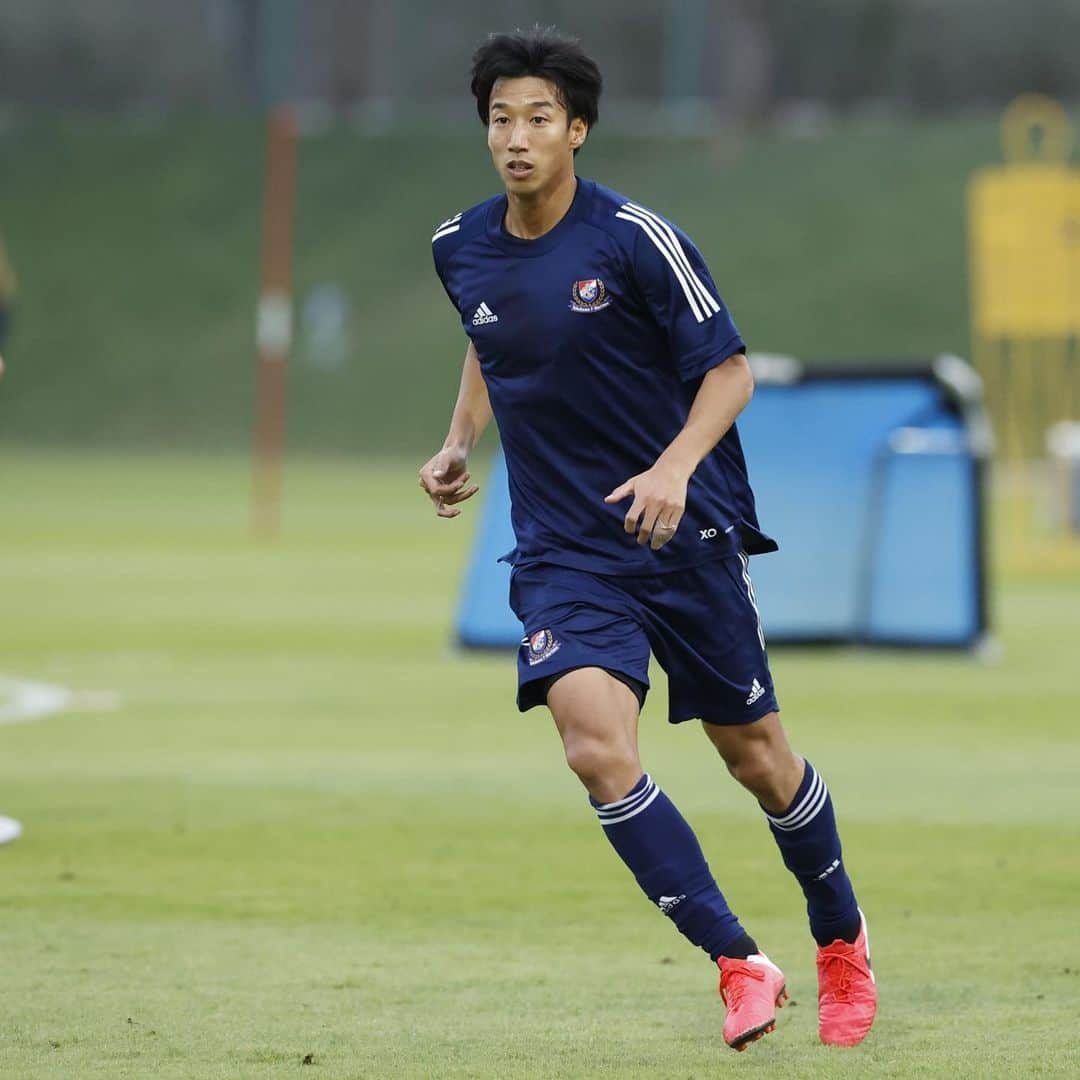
x,y
484,314
756,691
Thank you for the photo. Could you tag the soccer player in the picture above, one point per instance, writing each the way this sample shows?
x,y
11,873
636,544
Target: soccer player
x,y
598,341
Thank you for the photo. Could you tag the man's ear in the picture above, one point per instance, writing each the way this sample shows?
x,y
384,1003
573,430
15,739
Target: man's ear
x,y
579,131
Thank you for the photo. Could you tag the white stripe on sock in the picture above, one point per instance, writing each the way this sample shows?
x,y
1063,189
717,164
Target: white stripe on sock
x,y
613,810
802,804
629,798
810,813
633,813
807,810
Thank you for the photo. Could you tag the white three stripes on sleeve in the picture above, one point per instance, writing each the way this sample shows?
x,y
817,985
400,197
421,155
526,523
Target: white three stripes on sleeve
x,y
451,225
702,303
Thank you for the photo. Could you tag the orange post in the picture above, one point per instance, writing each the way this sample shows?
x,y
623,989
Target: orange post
x,y
274,322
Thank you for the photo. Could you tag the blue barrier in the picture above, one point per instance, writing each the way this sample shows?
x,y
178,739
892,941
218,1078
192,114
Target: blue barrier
x,y
872,481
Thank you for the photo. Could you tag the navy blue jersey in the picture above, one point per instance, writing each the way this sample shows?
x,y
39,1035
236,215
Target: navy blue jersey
x,y
593,340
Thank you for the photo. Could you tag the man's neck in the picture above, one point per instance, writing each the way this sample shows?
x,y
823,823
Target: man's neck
x,y
529,218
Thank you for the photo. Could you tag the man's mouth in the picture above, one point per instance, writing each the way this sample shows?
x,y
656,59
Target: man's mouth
x,y
519,169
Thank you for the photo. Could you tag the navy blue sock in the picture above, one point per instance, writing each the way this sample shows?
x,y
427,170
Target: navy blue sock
x,y
661,851
806,834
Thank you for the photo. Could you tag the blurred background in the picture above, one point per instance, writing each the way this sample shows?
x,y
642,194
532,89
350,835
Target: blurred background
x,y
225,725
819,153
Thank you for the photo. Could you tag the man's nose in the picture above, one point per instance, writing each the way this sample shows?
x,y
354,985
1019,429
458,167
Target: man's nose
x,y
519,137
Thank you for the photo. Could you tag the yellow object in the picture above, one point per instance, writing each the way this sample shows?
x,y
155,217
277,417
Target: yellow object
x,y
1025,229
1024,248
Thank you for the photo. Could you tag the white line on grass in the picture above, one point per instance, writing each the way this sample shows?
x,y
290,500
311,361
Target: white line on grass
x,y
10,829
22,700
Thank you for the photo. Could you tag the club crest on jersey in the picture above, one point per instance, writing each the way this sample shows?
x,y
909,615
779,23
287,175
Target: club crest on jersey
x,y
542,644
589,295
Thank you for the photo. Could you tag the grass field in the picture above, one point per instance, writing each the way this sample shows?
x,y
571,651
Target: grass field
x,y
308,827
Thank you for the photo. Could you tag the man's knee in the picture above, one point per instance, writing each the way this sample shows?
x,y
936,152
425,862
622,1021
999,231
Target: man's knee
x,y
597,720
757,768
760,758
594,759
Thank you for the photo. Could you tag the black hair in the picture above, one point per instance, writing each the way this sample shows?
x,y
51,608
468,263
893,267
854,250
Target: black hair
x,y
546,54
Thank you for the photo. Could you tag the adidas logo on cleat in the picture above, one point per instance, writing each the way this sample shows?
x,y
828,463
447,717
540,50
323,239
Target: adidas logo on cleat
x,y
484,314
756,691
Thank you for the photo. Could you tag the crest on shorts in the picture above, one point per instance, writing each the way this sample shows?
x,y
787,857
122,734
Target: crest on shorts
x,y
541,645
589,295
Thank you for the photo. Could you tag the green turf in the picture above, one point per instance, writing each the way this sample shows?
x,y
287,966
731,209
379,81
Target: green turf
x,y
309,827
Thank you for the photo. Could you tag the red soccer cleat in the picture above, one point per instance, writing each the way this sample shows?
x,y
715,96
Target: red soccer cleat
x,y
752,989
847,994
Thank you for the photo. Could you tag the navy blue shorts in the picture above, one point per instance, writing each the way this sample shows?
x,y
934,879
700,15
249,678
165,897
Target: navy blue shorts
x,y
702,625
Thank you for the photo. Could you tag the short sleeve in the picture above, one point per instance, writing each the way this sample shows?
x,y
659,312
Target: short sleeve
x,y
442,275
680,294
440,251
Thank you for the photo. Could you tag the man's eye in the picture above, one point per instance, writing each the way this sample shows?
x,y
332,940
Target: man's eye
x,y
539,119
501,119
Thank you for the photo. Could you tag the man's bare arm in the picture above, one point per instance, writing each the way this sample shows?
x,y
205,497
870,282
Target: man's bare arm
x,y
724,392
472,412
660,492
445,476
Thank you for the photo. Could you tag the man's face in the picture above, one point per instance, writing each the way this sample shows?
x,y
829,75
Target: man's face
x,y
531,141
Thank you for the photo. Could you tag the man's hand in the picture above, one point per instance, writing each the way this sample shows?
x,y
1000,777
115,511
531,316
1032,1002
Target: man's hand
x,y
444,478
659,502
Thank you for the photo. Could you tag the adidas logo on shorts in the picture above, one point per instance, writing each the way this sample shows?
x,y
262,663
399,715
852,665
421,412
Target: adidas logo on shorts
x,y
484,314
756,691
